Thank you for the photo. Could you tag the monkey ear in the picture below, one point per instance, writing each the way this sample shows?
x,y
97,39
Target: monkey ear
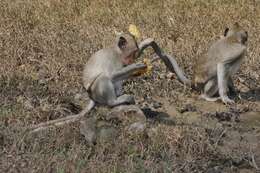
x,y
226,31
122,42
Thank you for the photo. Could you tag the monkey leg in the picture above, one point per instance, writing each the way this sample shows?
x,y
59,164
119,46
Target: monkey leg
x,y
127,72
103,91
123,99
210,89
223,83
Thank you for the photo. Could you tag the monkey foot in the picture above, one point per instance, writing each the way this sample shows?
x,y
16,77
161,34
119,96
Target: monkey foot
x,y
207,98
227,100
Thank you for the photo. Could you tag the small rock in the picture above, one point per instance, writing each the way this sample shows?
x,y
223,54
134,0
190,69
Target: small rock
x,y
42,81
107,127
127,114
162,76
157,105
170,76
88,129
152,132
28,105
45,106
216,169
20,99
188,108
137,127
78,96
107,134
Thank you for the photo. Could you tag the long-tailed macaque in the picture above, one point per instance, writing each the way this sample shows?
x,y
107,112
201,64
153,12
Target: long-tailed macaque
x,y
213,70
104,72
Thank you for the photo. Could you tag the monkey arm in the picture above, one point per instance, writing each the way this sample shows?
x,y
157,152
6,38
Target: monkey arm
x,y
222,81
127,72
235,54
168,60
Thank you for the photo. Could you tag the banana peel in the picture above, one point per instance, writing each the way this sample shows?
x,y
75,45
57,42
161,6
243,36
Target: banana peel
x,y
134,31
147,70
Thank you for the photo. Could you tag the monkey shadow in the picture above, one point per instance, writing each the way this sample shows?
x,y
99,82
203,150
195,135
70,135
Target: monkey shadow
x,y
159,117
251,95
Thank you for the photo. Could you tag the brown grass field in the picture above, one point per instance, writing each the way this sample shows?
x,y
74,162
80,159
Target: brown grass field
x,y
44,45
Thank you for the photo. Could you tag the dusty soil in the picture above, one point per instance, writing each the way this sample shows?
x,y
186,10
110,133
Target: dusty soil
x,y
44,45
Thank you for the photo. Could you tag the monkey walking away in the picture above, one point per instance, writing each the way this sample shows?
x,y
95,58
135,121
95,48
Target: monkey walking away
x,y
105,71
214,70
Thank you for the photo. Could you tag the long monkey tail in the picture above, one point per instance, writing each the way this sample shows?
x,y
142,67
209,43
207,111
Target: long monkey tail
x,y
173,66
168,60
62,121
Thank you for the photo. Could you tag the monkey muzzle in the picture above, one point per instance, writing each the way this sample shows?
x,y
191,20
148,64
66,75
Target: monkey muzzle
x,y
130,58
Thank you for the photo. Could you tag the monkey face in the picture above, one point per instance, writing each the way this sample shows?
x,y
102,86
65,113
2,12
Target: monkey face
x,y
127,60
237,31
128,47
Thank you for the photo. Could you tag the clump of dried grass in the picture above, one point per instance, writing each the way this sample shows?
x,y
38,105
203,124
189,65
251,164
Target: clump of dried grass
x,y
43,47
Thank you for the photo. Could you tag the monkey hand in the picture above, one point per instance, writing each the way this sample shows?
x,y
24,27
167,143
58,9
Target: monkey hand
x,y
139,72
145,71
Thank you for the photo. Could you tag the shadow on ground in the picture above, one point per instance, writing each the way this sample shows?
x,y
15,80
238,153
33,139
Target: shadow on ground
x,y
251,95
160,117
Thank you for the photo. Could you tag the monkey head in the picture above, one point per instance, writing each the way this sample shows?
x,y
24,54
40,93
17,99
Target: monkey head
x,y
128,48
237,33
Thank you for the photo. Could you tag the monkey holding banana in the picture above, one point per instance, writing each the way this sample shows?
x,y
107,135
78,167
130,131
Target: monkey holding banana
x,y
213,71
105,71
107,68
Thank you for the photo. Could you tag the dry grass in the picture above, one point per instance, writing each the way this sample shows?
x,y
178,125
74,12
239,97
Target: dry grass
x,y
43,47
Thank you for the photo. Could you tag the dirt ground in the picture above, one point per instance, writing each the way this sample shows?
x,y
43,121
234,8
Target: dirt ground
x,y
44,45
